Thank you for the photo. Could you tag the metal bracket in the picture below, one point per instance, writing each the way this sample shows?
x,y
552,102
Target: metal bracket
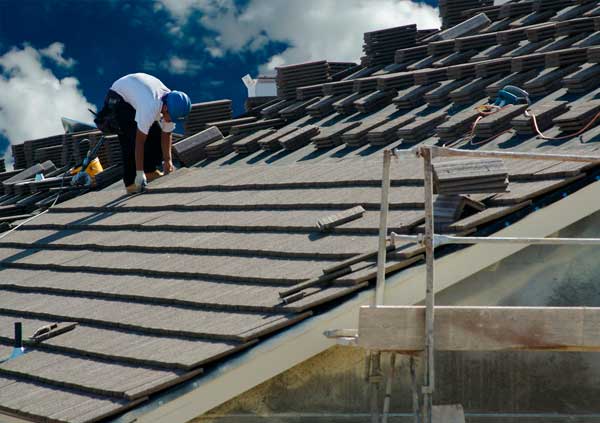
x,y
411,153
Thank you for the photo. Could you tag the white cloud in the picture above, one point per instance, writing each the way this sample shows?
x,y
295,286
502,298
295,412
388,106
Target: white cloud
x,y
314,29
33,99
175,65
55,52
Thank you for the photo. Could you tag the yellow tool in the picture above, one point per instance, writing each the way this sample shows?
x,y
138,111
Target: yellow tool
x,y
89,179
85,175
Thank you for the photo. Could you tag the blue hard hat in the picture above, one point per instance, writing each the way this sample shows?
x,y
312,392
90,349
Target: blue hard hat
x,y
178,104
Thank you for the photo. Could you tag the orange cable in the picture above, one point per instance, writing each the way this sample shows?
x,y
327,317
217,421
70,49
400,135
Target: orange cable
x,y
530,114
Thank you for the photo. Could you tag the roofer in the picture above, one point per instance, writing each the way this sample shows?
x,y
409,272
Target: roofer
x,y
142,111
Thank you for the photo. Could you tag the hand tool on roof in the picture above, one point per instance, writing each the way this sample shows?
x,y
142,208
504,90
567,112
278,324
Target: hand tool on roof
x,y
85,174
512,95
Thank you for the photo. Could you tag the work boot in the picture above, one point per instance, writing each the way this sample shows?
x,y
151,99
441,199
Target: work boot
x,y
151,176
131,189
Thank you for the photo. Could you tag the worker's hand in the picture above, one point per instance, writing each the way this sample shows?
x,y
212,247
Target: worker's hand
x,y
140,180
168,166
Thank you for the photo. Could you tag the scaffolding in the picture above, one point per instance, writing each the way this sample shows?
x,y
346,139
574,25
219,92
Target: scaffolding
x,y
423,400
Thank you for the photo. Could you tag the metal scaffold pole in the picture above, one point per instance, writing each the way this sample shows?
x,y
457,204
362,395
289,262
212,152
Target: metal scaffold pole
x,y
383,217
429,380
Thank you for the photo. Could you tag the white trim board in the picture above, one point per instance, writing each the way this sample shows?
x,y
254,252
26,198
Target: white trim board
x,y
304,340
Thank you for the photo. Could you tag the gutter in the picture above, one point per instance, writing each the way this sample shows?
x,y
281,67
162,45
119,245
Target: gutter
x,y
304,340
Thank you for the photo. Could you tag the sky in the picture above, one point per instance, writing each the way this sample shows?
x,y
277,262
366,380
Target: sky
x,y
58,58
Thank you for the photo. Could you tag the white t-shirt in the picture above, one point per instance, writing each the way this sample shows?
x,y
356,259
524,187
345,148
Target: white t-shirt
x,y
144,92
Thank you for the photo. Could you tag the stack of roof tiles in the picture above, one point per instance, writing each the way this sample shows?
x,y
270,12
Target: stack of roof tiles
x,y
61,149
203,113
249,144
192,149
221,147
451,11
380,46
255,103
298,138
578,116
470,176
225,126
299,75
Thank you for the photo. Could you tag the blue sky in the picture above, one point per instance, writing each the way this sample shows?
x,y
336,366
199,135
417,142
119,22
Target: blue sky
x,y
57,57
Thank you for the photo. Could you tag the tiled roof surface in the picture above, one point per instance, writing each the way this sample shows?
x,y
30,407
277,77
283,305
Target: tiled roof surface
x,y
168,282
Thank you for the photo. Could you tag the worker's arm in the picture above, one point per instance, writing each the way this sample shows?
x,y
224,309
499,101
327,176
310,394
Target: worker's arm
x,y
140,139
166,140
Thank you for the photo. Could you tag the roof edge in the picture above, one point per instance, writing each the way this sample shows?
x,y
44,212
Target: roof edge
x,y
306,339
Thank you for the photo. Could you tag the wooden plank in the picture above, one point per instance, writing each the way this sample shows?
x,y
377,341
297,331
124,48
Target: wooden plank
x,y
333,220
486,216
402,328
365,272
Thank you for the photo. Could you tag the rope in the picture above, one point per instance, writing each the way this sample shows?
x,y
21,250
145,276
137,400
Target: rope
x,y
484,110
485,141
530,114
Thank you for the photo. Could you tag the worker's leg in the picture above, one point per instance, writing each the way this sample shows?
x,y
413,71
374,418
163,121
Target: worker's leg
x,y
125,114
152,149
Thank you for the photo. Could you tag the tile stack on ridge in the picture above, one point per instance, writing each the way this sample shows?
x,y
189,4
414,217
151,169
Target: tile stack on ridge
x,y
411,55
31,146
380,46
548,81
413,96
203,113
578,116
299,138
552,5
249,144
387,133
512,9
272,110
594,55
496,123
255,104
324,106
451,10
291,77
247,128
297,110
337,67
421,128
544,112
374,101
226,125
331,136
221,147
584,80
345,105
271,141
458,126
